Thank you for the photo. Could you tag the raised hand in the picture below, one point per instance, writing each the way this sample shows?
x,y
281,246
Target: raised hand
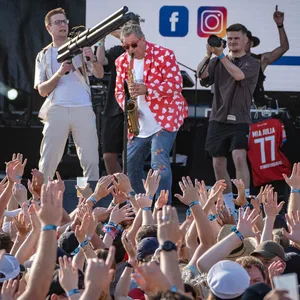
x,y
50,211
226,215
68,274
203,193
271,207
34,220
129,248
60,184
293,222
143,201
21,166
81,231
20,224
152,182
102,213
12,168
99,269
246,221
162,199
294,180
241,199
37,181
122,183
9,290
190,192
278,16
102,188
119,215
119,196
150,278
276,268
168,225
3,184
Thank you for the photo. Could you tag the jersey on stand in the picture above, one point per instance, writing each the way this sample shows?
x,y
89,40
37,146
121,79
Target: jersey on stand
x,y
267,161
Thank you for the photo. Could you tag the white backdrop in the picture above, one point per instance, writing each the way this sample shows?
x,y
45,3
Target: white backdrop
x,y
256,15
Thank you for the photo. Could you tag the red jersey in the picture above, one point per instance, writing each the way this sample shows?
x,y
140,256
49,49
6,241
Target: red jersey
x,y
265,141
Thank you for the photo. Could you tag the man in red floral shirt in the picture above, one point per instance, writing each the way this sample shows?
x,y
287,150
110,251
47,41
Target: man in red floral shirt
x,y
162,108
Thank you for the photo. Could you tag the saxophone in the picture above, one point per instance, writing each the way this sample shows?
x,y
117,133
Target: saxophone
x,y
132,109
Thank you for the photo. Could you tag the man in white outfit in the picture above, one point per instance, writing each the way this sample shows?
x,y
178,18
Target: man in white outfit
x,y
68,106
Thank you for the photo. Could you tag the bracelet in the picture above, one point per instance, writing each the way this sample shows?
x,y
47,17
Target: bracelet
x,y
173,289
112,231
49,227
128,265
93,200
59,76
146,208
212,217
188,212
150,197
248,205
234,229
295,191
221,56
193,203
280,26
115,225
72,292
83,244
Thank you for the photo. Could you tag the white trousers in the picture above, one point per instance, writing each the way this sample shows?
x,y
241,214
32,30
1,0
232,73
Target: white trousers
x,y
81,121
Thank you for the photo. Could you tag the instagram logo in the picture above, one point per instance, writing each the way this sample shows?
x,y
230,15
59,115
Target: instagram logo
x,y
212,20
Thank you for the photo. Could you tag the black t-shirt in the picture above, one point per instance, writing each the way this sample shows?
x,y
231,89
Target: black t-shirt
x,y
232,98
112,108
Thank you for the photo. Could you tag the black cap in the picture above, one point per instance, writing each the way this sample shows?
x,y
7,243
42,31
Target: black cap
x,y
252,38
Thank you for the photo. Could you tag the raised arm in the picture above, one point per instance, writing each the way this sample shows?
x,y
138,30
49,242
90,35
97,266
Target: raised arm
x,y
224,247
269,57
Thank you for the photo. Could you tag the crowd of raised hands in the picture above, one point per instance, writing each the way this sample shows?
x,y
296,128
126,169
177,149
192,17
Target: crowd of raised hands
x,y
136,248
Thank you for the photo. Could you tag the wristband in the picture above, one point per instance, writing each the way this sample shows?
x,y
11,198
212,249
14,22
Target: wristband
x,y
212,217
150,197
115,225
84,243
280,26
59,76
188,212
131,194
128,265
193,203
295,191
234,229
72,292
93,200
146,208
19,177
173,289
248,205
221,56
49,227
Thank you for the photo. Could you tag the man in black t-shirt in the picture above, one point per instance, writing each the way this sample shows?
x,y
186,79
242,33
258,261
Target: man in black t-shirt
x,y
234,77
112,118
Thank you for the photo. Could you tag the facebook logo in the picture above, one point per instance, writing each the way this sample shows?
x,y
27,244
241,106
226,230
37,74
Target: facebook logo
x,y
173,21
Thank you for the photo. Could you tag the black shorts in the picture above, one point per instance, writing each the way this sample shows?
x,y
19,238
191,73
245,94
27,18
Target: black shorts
x,y
223,138
112,133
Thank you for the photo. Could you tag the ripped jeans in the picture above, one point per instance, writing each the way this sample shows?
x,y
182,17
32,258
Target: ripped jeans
x,y
159,146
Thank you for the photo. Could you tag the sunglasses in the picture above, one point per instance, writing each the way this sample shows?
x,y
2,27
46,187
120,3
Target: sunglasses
x,y
132,45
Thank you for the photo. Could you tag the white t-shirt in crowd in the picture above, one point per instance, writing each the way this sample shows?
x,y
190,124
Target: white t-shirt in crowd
x,y
148,124
69,92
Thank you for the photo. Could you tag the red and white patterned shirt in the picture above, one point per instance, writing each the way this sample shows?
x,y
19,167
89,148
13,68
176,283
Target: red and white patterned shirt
x,y
164,85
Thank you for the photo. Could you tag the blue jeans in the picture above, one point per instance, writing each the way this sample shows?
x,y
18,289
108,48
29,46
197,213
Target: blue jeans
x,y
159,146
